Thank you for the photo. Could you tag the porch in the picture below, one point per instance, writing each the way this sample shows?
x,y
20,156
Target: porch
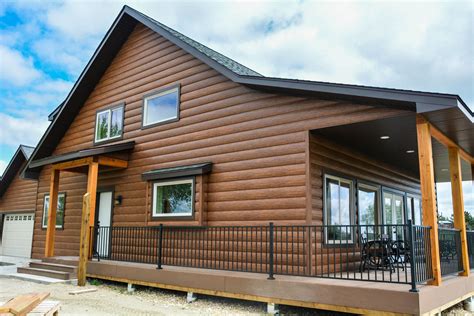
x,y
336,295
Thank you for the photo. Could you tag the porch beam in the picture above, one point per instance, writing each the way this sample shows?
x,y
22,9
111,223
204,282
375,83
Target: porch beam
x,y
428,197
53,205
73,164
92,190
458,204
112,162
446,141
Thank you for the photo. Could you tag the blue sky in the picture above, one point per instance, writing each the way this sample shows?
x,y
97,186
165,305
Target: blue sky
x,y
426,45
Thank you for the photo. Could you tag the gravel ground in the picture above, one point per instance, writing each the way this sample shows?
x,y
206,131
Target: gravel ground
x,y
113,299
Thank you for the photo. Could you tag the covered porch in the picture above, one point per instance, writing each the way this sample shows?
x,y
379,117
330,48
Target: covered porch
x,y
90,162
432,148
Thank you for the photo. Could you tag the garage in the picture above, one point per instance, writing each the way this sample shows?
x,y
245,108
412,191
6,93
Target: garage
x,y
17,234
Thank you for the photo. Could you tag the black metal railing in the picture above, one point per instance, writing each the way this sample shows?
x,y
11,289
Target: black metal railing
x,y
380,253
470,247
450,251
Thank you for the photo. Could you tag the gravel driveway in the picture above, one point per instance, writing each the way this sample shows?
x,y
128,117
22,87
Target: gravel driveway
x,y
113,299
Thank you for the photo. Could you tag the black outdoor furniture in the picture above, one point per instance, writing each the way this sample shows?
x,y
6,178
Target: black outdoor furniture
x,y
383,254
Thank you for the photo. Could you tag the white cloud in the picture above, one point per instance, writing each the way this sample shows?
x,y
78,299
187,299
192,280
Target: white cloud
x,y
444,198
26,129
16,69
3,166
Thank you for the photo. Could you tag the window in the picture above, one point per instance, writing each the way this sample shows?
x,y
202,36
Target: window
x,y
338,196
59,210
161,107
173,198
368,198
109,124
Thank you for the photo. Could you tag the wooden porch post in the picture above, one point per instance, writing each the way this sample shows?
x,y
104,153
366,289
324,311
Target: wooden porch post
x,y
92,190
53,205
428,197
458,203
84,241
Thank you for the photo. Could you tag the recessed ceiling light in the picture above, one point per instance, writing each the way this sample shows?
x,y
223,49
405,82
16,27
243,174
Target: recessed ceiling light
x,y
444,170
384,137
410,151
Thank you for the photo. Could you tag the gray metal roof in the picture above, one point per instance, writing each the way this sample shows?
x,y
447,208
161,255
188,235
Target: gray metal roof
x,y
225,61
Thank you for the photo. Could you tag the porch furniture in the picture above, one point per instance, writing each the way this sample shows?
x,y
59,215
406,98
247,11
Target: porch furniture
x,y
377,254
383,253
447,250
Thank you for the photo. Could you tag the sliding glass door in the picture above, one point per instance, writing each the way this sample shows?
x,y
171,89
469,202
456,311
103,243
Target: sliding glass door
x,y
393,210
414,210
368,200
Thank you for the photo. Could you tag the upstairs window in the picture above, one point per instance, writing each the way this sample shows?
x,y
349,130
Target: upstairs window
x,y
173,198
109,124
59,211
161,107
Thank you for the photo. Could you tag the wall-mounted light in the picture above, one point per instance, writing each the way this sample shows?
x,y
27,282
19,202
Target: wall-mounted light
x,y
118,200
384,137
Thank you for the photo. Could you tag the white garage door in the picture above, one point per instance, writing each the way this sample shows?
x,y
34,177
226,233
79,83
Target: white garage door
x,y
17,234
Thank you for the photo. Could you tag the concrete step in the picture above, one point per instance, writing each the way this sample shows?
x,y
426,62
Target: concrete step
x,y
46,273
73,261
53,266
40,279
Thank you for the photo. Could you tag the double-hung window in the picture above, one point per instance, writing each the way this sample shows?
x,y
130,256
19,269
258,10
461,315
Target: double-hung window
x,y
59,211
161,107
338,209
173,198
109,124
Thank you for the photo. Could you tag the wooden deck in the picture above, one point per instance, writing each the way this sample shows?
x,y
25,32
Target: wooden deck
x,y
353,296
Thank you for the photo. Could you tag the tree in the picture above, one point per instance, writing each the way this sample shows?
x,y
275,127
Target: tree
x,y
469,220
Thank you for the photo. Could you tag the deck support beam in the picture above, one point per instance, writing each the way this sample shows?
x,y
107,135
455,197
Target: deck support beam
x,y
53,205
428,196
458,204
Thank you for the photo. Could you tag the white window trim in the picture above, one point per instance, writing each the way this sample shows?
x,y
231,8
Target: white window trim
x,y
351,208
44,210
145,122
167,183
109,123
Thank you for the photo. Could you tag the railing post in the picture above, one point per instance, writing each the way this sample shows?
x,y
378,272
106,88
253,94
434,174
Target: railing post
x,y
160,245
270,268
412,256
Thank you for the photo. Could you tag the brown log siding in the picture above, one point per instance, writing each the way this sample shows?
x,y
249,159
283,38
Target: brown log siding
x,y
19,196
256,141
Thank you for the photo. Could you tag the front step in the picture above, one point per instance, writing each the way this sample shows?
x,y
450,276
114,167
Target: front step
x,y
73,261
53,266
44,272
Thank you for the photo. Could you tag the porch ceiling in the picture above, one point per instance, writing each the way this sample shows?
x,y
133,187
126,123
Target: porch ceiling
x,y
365,138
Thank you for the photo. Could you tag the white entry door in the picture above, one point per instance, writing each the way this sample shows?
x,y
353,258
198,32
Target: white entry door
x,y
105,222
18,234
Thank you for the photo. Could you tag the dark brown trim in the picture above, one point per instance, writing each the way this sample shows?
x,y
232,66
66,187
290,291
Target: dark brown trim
x,y
82,153
177,172
64,213
111,107
158,91
174,218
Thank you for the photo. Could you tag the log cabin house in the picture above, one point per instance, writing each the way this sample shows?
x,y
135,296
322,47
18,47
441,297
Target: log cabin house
x,y
169,155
